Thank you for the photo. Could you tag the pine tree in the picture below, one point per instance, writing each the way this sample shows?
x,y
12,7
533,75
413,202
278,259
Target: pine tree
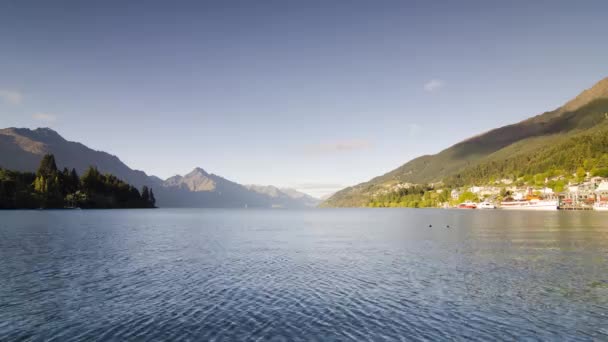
x,y
64,181
48,167
74,181
91,180
145,194
152,199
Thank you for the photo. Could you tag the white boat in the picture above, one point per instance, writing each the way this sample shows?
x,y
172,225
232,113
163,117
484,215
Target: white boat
x,y
533,204
486,205
600,206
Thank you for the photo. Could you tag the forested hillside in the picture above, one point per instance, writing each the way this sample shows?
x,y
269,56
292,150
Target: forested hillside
x,y
588,150
51,188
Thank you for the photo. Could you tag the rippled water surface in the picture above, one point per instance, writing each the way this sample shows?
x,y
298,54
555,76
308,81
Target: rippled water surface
x,y
349,274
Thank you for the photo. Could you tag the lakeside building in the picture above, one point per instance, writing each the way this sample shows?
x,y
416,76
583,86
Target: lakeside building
x,y
602,192
580,194
596,180
576,195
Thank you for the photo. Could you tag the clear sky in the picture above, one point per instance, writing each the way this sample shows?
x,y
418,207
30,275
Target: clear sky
x,y
314,95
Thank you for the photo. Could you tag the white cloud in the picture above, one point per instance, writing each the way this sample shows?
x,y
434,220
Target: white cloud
x,y
11,97
338,147
46,117
413,128
434,85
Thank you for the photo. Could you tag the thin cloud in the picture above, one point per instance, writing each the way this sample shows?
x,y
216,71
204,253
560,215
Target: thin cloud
x,y
434,85
413,128
338,147
11,97
46,117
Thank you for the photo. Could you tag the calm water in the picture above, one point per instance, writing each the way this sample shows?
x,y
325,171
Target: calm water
x,y
369,274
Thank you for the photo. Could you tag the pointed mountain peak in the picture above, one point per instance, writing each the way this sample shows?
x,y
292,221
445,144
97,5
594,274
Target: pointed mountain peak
x,y
197,172
197,180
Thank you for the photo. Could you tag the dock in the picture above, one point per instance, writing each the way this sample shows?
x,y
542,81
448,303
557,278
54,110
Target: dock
x,y
575,207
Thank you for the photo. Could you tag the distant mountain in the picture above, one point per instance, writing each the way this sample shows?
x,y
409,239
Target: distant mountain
x,y
201,189
327,196
196,181
495,153
22,149
285,197
295,194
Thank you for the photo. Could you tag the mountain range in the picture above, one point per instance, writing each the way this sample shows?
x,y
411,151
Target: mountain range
x,y
561,138
565,138
22,149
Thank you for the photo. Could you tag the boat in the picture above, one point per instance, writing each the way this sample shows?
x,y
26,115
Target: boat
x,y
600,206
486,205
533,204
467,205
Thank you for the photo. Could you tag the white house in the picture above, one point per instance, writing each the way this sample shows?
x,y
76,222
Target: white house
x,y
475,189
602,192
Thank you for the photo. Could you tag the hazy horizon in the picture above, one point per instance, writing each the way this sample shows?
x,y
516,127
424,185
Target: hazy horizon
x,y
312,96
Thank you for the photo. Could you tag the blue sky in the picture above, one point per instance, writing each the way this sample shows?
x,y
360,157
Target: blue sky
x,y
314,95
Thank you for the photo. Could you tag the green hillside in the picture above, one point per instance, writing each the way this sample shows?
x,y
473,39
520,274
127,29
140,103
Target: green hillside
x,y
561,140
562,154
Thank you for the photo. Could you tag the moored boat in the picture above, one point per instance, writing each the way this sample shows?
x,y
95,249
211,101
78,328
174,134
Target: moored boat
x,y
486,205
600,206
533,204
467,205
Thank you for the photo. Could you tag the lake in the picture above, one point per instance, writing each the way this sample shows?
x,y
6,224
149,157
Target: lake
x,y
301,275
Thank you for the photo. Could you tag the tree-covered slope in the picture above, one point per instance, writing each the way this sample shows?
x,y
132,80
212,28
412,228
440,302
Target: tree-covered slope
x,y
52,188
587,148
585,112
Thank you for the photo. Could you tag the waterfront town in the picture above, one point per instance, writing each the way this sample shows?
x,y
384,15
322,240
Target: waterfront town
x,y
580,191
589,194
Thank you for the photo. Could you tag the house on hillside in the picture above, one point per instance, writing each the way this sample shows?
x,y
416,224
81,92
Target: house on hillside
x,y
484,191
602,192
455,194
596,180
475,189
